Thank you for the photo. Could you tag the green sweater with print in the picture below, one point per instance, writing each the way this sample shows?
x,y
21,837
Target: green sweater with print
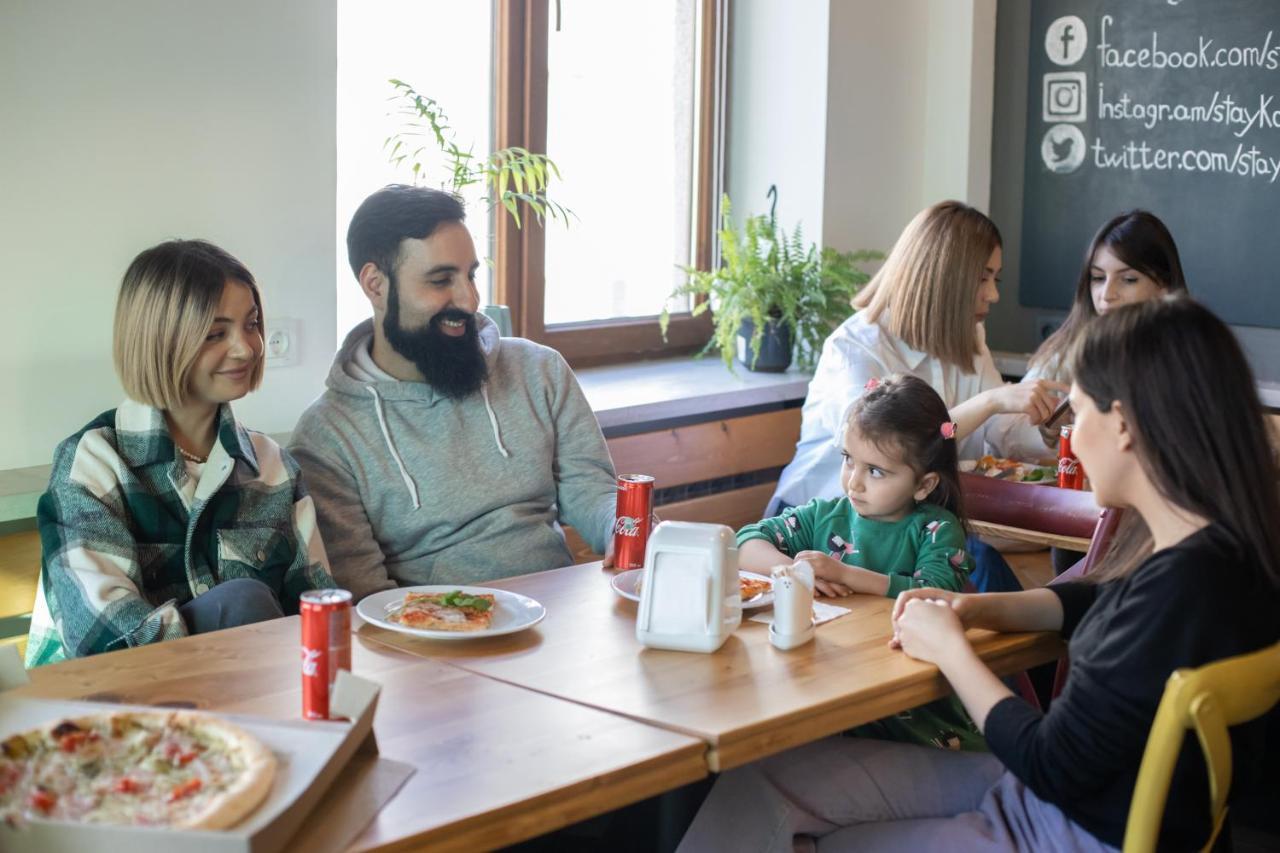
x,y
924,549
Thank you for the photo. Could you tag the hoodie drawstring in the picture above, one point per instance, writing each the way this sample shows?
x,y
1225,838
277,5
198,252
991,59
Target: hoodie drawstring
x,y
386,436
493,422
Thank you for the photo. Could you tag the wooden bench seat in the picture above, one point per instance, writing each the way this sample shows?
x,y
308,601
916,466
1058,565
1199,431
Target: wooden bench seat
x,y
684,455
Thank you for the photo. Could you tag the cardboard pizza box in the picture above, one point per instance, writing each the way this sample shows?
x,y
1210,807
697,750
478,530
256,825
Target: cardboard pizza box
x,y
311,756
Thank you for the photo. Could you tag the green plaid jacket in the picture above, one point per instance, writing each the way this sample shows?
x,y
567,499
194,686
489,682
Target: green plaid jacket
x,y
122,548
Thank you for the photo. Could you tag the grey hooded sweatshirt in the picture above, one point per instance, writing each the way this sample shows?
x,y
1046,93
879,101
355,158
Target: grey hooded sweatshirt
x,y
412,487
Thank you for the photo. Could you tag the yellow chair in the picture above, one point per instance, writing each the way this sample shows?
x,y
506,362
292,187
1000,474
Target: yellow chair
x,y
1207,700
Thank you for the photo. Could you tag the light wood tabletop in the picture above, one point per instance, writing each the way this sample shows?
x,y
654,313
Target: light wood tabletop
x,y
494,764
1030,537
747,700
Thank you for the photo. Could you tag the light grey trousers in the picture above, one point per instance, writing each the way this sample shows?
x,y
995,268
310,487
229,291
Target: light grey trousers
x,y
862,794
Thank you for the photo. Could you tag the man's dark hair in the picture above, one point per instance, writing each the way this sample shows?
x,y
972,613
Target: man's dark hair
x,y
392,214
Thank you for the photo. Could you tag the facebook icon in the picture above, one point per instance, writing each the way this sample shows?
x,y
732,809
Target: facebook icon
x,y
1066,40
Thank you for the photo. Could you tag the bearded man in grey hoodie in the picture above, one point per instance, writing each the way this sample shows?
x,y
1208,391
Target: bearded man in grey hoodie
x,y
440,452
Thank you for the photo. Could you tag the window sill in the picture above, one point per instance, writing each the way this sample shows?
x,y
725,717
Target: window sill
x,y
647,395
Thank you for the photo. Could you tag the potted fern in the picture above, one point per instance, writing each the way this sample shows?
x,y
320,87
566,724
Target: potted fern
x,y
510,177
774,298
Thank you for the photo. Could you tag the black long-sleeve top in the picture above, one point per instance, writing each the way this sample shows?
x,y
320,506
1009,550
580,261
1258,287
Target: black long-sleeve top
x,y
1199,601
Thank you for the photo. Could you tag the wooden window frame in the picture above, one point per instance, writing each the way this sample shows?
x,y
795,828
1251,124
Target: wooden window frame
x,y
521,119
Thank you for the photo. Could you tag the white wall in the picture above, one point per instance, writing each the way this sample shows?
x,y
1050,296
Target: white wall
x,y
777,109
124,124
861,111
908,113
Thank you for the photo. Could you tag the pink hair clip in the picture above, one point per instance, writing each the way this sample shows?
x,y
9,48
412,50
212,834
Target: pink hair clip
x,y
948,429
872,384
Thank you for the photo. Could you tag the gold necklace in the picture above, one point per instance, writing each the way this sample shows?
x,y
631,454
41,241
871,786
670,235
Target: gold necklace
x,y
191,457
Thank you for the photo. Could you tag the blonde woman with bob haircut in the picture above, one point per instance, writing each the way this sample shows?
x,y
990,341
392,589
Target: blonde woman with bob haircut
x,y
921,316
164,516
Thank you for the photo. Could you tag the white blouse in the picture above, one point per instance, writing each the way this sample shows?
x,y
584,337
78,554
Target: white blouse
x,y
859,350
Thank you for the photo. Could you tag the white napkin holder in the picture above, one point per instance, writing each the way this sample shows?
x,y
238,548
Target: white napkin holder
x,y
689,598
793,623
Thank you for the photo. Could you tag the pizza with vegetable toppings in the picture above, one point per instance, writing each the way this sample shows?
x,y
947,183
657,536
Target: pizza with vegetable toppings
x,y
1011,469
142,768
446,611
749,588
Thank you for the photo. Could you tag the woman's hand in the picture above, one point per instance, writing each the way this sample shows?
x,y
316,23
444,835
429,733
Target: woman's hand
x,y
966,606
830,576
1036,399
928,629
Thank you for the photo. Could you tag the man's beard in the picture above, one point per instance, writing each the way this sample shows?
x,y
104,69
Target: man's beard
x,y
453,366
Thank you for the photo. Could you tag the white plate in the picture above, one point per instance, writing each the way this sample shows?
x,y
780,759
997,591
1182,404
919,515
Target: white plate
x,y
625,583
512,611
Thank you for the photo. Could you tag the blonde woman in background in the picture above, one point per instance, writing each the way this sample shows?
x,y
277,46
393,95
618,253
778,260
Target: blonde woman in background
x,y
165,517
922,316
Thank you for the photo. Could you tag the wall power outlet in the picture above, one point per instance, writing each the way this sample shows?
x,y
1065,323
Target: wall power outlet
x,y
283,340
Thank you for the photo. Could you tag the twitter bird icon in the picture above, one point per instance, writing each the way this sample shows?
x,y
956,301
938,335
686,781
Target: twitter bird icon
x,y
1063,149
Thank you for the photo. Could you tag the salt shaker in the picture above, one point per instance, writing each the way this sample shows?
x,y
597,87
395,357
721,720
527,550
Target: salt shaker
x,y
792,606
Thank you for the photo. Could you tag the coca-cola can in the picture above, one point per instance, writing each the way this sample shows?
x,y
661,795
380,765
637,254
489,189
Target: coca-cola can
x,y
632,520
1070,472
326,646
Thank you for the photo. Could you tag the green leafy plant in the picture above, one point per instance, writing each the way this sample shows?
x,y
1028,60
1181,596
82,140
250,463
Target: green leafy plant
x,y
769,275
512,177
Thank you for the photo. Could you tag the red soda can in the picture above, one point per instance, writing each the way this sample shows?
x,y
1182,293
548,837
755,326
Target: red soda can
x,y
632,520
326,646
1070,473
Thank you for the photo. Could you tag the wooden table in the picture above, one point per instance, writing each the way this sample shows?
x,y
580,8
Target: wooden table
x,y
494,764
1032,537
746,701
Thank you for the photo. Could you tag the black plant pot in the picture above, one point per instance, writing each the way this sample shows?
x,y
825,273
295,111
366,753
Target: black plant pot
x,y
775,347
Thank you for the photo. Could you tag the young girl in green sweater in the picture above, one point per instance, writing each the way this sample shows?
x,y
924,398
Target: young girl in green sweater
x,y
897,527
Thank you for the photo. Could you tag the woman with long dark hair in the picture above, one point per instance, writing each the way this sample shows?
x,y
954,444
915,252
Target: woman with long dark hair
x,y
1169,426
1132,258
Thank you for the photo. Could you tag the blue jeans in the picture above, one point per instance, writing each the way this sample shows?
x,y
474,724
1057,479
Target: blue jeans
x,y
239,601
991,573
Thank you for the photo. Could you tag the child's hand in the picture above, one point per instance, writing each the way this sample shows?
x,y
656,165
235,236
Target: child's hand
x,y
829,574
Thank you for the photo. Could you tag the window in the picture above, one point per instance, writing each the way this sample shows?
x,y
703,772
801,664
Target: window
x,y
442,48
626,100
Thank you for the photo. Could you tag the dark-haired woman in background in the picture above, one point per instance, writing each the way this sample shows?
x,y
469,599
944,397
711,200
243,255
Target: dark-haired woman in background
x,y
1199,469
1131,259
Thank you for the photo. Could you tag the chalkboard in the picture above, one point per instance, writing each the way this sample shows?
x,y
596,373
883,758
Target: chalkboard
x,y
1168,105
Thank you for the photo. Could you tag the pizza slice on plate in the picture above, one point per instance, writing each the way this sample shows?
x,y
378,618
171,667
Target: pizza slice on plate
x,y
446,611
752,587
1014,470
